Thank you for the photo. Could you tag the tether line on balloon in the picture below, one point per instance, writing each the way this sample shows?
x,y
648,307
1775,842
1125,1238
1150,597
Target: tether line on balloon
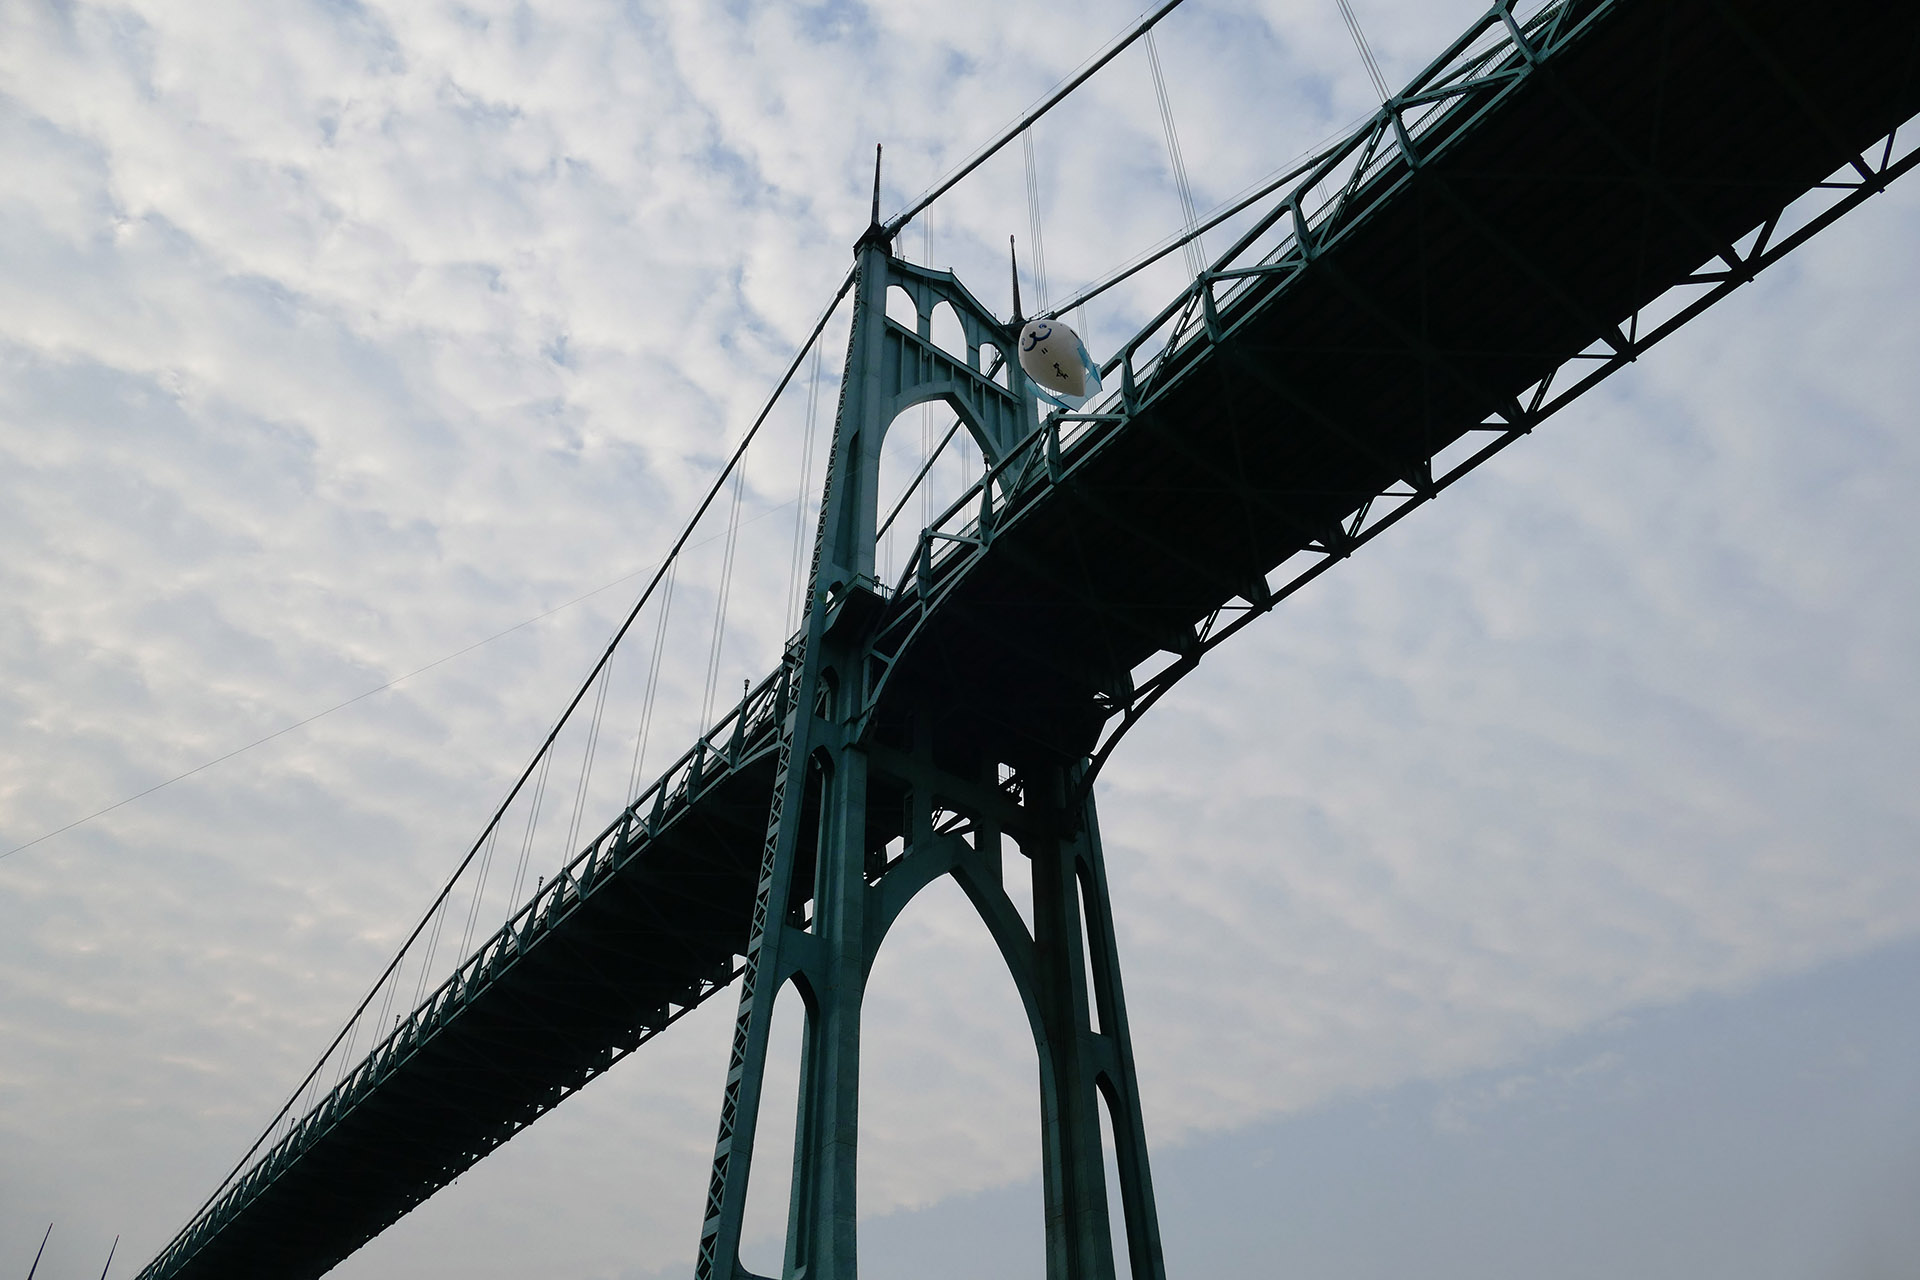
x,y
686,533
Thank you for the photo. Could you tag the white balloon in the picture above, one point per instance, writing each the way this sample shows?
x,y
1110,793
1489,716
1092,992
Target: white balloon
x,y
1055,358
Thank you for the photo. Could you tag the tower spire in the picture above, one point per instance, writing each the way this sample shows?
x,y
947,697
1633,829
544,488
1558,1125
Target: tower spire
x,y
1013,262
876,232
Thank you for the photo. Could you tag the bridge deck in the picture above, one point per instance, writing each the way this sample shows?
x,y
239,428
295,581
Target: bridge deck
x,y
1428,312
1546,210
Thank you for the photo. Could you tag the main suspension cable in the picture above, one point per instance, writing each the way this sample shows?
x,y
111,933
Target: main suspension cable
x,y
686,533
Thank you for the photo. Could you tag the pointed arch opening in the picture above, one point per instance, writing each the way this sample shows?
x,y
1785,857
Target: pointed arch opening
x,y
1092,953
763,1234
1116,1202
901,309
1016,878
950,1150
928,461
947,332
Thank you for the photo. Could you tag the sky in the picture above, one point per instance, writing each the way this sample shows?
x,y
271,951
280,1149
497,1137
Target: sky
x,y
1536,892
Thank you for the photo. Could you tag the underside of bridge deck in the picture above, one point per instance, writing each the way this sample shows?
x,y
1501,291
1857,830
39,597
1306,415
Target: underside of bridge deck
x,y
1664,136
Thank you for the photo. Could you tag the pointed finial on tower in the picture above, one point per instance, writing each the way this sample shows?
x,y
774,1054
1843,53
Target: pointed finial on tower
x,y
1013,260
876,233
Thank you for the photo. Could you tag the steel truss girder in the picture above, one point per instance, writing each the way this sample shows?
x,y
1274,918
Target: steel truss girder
x,y
931,578
1228,619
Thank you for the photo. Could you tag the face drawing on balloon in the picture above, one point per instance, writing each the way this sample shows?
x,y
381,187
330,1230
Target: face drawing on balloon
x,y
1054,357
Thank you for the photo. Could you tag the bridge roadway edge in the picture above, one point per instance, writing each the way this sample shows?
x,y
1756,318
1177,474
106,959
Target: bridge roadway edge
x,y
1453,288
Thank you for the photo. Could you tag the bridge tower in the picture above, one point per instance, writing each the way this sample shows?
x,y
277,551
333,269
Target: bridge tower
x,y
865,814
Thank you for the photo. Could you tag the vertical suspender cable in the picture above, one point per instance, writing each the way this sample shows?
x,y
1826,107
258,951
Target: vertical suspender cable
x,y
883,553
533,820
802,500
720,603
433,947
1195,254
926,410
653,686
386,1006
479,890
586,762
1033,222
312,1089
346,1053
1366,50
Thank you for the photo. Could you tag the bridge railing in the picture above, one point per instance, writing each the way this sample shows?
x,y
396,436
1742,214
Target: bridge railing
x,y
1296,217
738,735
1499,53
1326,195
1318,200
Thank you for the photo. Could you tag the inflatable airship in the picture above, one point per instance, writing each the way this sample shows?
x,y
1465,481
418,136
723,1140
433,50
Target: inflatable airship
x,y
1057,361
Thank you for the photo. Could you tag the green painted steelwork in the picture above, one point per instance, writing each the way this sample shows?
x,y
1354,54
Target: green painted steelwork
x,y
842,796
1542,204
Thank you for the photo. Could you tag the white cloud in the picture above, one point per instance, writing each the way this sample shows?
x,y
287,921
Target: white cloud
x,y
333,338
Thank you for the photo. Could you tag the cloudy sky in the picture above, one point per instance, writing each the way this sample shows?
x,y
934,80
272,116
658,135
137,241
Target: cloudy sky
x,y
1535,894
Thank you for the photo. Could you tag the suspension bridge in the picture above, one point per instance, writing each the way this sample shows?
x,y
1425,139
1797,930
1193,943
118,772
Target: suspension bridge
x,y
1565,186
